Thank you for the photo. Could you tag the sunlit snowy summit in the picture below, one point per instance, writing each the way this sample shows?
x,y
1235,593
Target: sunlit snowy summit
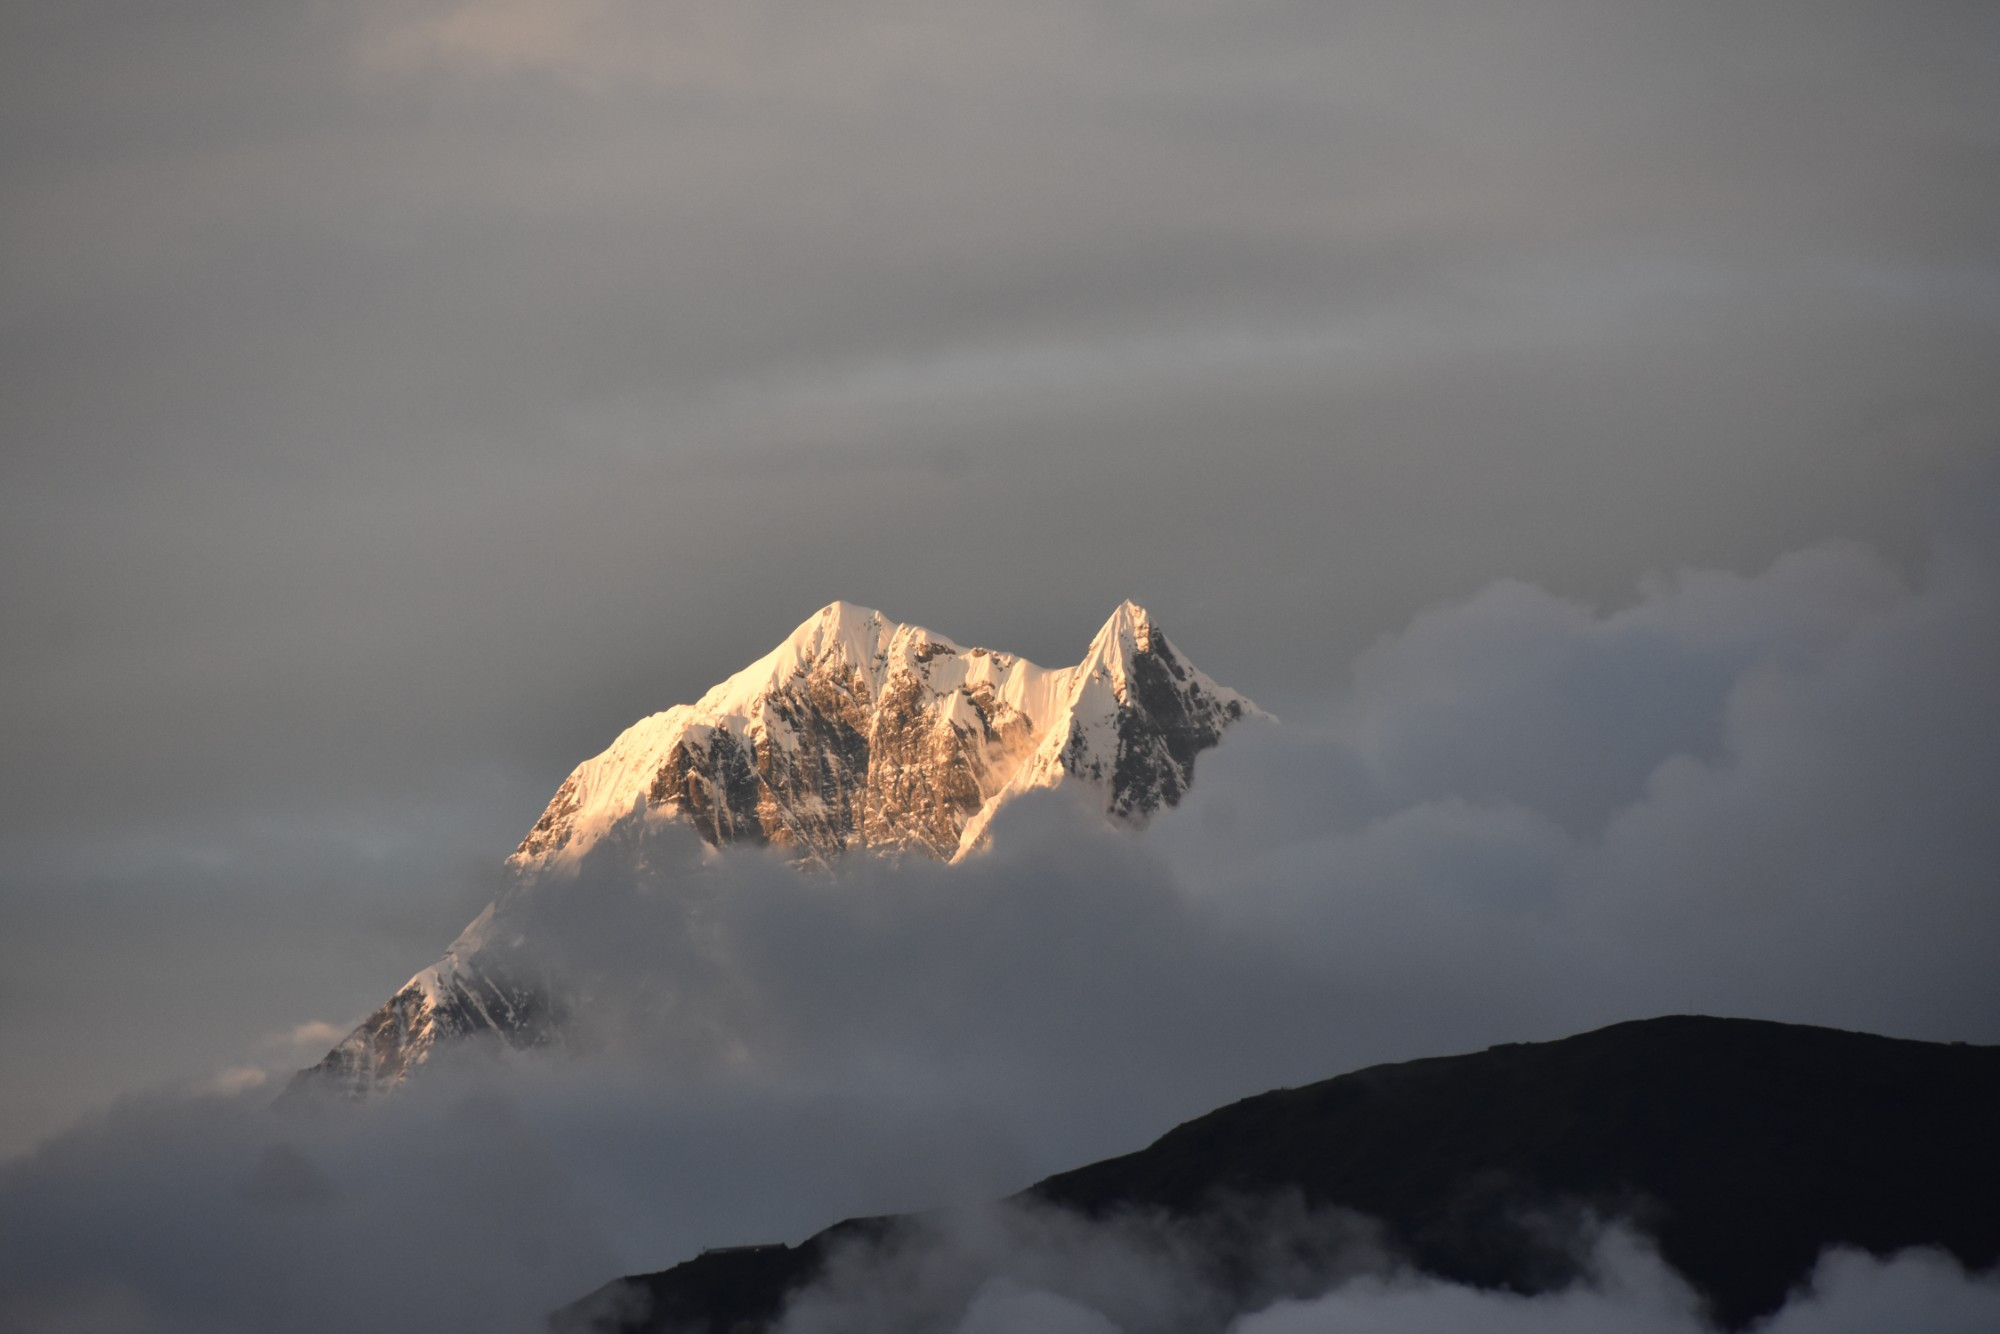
x,y
856,732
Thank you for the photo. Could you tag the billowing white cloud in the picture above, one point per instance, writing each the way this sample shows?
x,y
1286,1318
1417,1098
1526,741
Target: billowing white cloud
x,y
1635,1294
1018,1270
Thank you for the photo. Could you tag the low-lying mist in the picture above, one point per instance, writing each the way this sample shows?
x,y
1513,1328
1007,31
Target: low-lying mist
x,y
1015,1270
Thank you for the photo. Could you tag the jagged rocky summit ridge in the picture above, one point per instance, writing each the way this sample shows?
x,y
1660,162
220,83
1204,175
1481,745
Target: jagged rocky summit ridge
x,y
856,732
860,732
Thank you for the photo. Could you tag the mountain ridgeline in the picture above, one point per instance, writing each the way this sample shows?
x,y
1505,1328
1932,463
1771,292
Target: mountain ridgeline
x,y
1741,1149
855,734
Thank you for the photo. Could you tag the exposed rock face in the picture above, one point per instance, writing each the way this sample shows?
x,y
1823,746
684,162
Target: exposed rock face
x,y
859,732
453,1000
856,732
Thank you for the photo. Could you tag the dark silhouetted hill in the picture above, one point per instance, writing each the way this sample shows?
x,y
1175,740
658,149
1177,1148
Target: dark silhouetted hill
x,y
1742,1148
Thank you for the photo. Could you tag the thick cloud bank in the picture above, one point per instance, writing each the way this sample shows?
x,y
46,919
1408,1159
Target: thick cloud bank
x,y
1764,796
1020,1271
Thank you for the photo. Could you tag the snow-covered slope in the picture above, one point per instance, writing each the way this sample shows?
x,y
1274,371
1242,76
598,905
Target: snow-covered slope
x,y
859,732
855,732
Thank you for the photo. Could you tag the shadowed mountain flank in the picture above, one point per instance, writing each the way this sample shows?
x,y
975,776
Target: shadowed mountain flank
x,y
1742,1149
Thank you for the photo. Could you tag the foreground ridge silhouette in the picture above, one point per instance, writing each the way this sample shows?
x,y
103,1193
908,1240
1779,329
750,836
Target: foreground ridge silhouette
x,y
1741,1148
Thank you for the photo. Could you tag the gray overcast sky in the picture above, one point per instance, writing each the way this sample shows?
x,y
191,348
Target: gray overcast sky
x,y
396,399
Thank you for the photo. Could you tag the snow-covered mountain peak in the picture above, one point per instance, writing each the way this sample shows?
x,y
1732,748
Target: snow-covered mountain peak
x,y
1131,625
855,732
860,730
855,636
1127,634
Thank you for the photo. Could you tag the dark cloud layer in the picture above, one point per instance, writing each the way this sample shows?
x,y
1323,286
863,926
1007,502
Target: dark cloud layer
x,y
1789,823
